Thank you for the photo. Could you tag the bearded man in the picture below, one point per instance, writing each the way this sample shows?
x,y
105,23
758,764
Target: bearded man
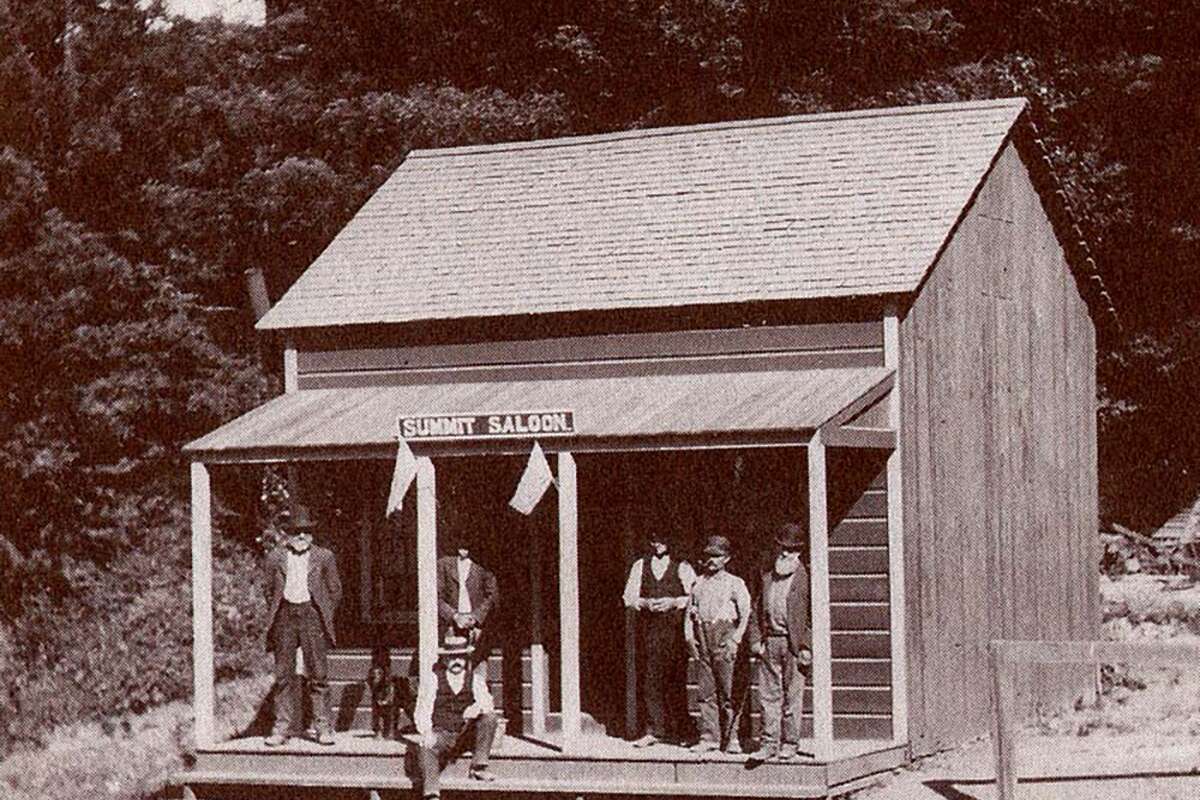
x,y
781,636
303,592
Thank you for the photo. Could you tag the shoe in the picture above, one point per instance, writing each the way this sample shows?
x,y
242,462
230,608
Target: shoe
x,y
325,738
481,774
764,754
646,740
704,746
275,740
789,754
734,748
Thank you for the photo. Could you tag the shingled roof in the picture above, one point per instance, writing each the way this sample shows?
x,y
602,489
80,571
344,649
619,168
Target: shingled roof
x,y
824,205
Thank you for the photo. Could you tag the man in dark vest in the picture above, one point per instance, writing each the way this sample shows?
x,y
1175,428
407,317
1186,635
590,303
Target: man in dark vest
x,y
658,589
303,592
781,636
453,707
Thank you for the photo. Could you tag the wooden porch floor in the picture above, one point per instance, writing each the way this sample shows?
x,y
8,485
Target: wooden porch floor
x,y
359,764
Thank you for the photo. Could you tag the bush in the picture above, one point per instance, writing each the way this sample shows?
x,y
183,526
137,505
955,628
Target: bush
x,y
121,642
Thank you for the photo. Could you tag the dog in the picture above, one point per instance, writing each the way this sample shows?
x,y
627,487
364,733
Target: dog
x,y
383,693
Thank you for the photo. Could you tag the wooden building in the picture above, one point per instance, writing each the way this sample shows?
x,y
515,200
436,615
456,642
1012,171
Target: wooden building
x,y
880,322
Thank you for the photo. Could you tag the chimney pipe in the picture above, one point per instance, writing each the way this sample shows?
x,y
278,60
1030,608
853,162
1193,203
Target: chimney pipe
x,y
256,288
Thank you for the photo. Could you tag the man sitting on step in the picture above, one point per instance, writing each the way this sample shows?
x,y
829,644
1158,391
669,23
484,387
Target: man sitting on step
x,y
453,702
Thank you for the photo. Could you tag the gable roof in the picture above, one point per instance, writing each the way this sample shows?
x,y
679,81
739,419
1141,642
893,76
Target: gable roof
x,y
824,205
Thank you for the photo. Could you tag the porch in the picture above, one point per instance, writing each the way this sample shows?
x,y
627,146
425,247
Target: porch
x,y
818,444
362,766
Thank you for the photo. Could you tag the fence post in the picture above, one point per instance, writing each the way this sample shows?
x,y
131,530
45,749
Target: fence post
x,y
1003,719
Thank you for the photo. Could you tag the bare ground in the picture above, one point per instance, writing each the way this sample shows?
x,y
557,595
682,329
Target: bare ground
x,y
1141,741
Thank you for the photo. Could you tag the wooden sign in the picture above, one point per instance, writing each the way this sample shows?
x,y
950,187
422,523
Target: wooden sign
x,y
514,424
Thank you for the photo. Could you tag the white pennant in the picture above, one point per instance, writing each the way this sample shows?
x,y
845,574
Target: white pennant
x,y
402,476
534,482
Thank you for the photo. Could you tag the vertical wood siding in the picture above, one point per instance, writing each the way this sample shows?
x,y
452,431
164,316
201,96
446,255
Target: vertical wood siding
x,y
999,430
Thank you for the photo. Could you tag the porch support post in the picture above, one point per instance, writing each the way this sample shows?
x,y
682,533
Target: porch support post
x,y
202,606
895,527
568,598
631,654
427,619
822,667
538,683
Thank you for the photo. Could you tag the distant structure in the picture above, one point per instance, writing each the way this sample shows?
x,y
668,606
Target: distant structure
x,y
245,12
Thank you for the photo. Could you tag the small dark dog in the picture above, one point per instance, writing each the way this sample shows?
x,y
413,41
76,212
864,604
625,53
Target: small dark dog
x,y
383,693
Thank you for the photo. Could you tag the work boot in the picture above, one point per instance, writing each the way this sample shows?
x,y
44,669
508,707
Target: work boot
x,y
275,740
482,774
764,754
646,740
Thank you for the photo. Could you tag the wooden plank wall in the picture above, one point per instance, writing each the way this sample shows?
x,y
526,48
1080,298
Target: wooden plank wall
x,y
999,451
809,346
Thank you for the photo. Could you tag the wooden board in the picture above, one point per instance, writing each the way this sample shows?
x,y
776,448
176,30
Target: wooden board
x,y
997,440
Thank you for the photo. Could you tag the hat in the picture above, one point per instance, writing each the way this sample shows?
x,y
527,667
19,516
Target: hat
x,y
791,536
300,520
716,546
454,645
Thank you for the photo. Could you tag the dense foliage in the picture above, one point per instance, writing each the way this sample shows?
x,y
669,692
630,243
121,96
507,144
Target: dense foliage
x,y
145,163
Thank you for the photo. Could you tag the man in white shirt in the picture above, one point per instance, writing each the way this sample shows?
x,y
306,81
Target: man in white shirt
x,y
452,703
657,588
303,591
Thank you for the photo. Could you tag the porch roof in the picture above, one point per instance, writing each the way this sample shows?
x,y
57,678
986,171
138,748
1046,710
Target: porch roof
x,y
611,413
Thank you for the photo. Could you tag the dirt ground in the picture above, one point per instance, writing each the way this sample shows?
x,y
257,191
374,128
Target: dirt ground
x,y
1141,741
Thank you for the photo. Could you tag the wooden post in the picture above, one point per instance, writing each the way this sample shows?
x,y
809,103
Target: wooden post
x,y
631,654
822,667
538,680
427,611
568,599
366,586
202,606
291,372
895,527
1003,724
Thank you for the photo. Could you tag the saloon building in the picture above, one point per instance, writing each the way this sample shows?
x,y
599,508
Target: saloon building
x,y
881,323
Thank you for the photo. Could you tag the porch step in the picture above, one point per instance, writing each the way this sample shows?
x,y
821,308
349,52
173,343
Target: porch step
x,y
204,785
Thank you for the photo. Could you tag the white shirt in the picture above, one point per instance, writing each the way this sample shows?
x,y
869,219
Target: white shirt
x,y
295,585
658,568
482,702
464,597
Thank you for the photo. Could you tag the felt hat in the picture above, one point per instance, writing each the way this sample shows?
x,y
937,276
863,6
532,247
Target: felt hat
x,y
300,520
716,546
791,536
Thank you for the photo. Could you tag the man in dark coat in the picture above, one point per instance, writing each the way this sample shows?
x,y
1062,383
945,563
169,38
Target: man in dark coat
x,y
781,636
453,708
464,613
303,591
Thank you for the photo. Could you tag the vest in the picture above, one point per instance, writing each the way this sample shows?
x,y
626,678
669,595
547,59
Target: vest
x,y
669,586
662,627
448,707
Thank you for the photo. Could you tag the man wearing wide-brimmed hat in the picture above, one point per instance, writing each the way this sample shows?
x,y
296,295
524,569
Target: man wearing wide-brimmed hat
x,y
781,636
657,589
718,612
453,703
303,592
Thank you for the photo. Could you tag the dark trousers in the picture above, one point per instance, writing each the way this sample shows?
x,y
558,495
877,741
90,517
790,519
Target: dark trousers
x,y
663,681
781,691
717,655
299,625
430,760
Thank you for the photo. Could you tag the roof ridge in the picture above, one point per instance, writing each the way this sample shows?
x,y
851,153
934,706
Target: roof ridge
x,y
1017,103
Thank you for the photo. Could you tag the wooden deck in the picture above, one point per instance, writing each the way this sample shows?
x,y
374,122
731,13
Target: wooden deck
x,y
359,765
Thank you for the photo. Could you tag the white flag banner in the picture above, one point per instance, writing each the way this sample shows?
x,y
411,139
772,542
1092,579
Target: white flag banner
x,y
402,476
534,482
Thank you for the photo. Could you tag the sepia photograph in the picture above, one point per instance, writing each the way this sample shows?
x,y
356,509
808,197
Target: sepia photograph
x,y
423,399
